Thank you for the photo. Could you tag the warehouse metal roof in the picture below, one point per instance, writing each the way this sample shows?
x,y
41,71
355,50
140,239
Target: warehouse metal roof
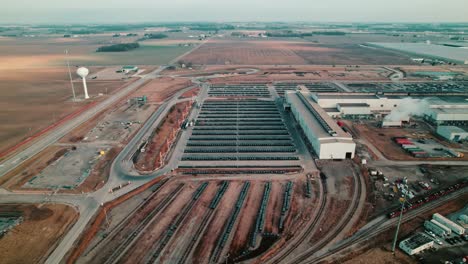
x,y
316,117
416,241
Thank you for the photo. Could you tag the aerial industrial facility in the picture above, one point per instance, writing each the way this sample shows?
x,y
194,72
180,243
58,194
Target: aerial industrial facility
x,y
232,143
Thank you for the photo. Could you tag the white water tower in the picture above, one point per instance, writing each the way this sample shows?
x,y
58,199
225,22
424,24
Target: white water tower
x,y
83,72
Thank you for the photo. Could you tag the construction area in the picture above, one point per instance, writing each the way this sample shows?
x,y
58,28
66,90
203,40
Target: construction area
x,y
68,171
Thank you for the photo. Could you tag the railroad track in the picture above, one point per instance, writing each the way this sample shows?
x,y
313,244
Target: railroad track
x,y
380,227
166,237
156,189
330,236
206,219
230,223
309,228
128,241
197,234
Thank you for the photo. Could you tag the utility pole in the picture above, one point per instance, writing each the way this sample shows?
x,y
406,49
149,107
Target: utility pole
x,y
403,201
70,75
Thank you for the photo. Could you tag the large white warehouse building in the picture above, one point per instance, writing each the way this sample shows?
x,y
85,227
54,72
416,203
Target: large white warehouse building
x,y
326,137
447,110
357,104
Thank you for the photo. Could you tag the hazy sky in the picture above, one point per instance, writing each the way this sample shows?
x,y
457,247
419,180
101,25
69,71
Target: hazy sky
x,y
113,11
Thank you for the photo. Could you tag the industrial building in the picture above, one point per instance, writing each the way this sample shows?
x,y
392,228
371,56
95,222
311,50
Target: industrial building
x,y
129,68
441,110
416,244
356,104
457,229
448,116
328,140
452,133
437,228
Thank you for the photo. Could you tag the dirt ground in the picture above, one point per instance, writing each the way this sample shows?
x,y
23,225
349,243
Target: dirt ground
x,y
21,174
242,234
305,73
381,138
190,93
99,174
39,233
203,251
162,138
17,178
102,247
381,255
149,240
158,90
291,52
379,251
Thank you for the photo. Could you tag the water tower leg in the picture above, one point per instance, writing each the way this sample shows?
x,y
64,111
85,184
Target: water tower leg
x,y
86,96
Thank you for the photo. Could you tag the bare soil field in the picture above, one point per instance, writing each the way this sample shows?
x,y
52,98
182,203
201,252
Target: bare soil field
x,y
244,52
41,230
291,52
34,99
158,90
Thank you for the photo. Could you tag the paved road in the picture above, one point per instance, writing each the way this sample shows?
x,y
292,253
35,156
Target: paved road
x,y
63,130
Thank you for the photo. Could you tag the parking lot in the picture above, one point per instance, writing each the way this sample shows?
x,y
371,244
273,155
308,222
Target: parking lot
x,y
238,90
322,87
420,88
315,87
69,171
240,131
281,88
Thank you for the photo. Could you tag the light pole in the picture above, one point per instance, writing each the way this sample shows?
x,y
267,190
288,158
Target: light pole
x,y
403,201
69,74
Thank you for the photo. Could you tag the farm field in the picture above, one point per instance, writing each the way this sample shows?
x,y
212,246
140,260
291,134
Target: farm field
x,y
49,51
33,99
291,52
